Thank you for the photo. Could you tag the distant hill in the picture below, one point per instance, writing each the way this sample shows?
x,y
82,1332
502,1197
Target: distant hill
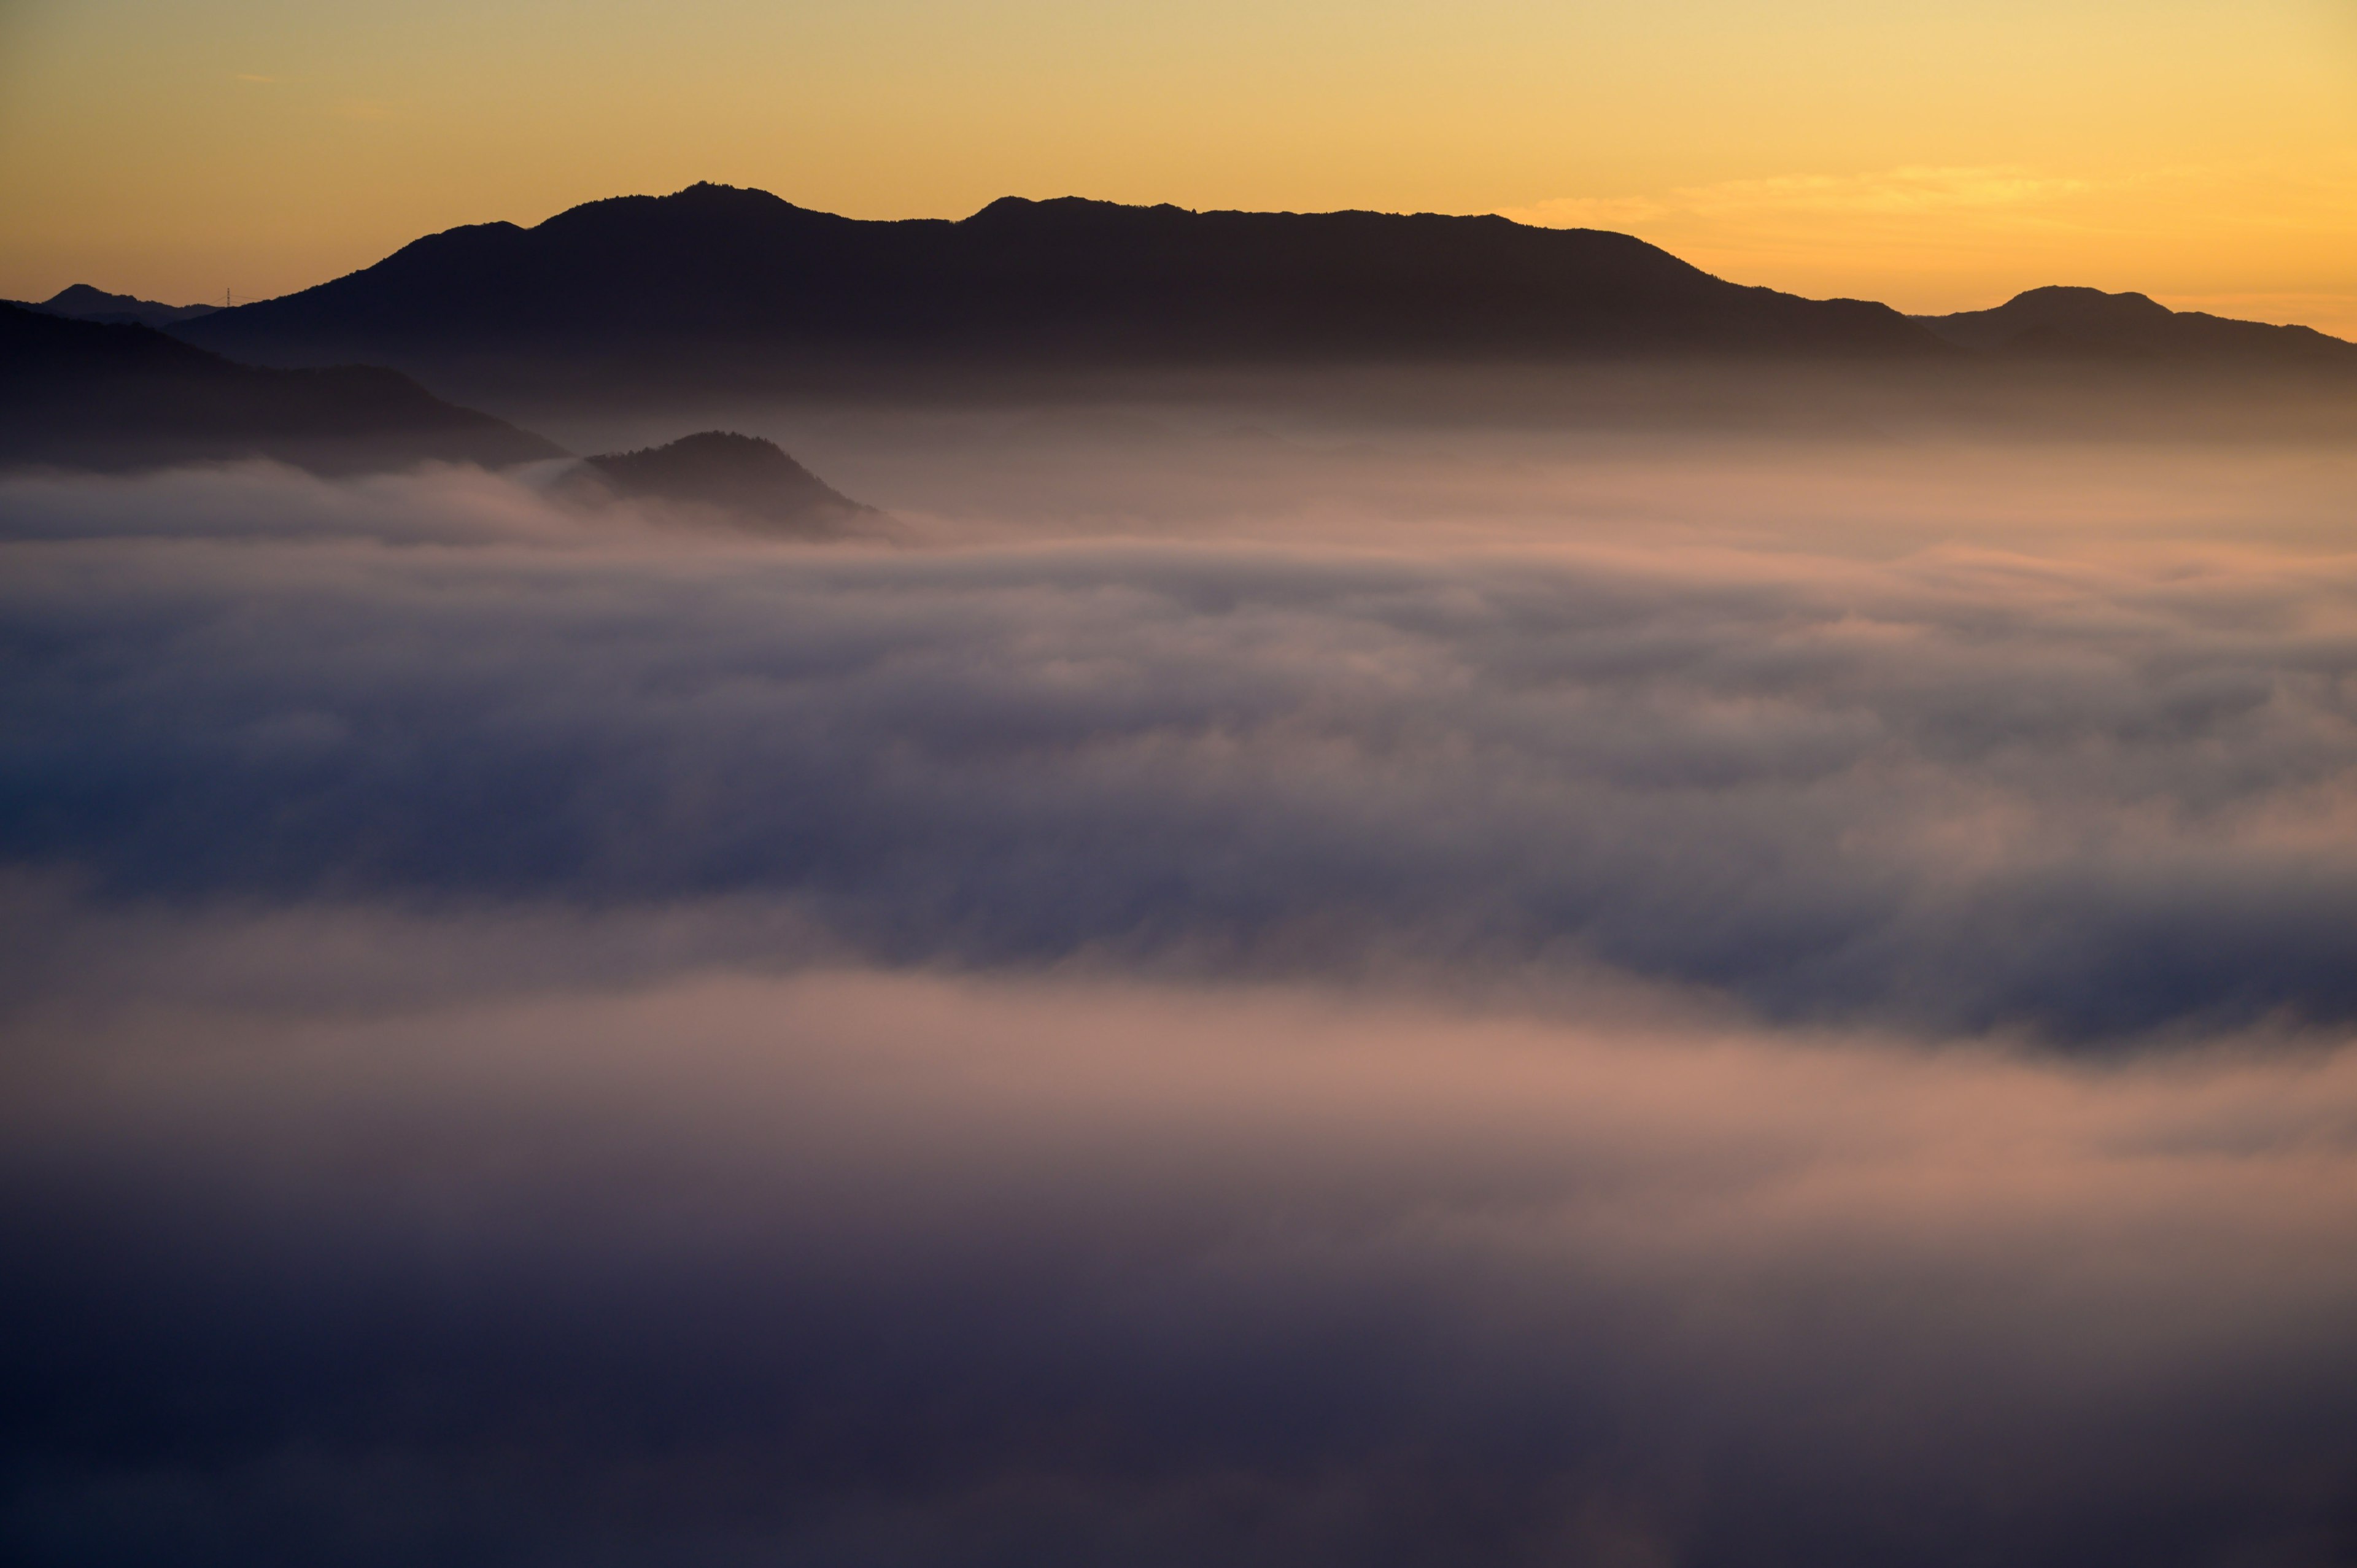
x,y
719,284
85,302
117,395
2087,323
747,481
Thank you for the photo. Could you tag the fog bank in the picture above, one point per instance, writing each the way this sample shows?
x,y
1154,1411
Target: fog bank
x,y
2090,796
1225,997
861,1268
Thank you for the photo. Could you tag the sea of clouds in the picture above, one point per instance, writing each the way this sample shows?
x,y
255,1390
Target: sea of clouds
x,y
1621,1028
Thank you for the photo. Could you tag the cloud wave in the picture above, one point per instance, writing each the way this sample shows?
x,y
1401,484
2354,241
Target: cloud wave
x,y
1649,1031
2087,800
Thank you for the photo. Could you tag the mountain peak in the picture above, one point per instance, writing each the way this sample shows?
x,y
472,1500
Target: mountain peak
x,y
713,193
2076,322
1024,209
716,285
85,302
80,298
2061,299
745,478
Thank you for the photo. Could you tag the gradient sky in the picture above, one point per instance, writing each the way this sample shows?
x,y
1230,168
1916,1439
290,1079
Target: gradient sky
x,y
1937,156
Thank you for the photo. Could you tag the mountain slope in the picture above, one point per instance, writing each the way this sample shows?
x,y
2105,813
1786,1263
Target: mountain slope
x,y
714,279
744,480
107,395
2088,323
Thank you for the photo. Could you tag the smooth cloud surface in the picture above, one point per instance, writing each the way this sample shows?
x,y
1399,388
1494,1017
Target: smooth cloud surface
x,y
851,1267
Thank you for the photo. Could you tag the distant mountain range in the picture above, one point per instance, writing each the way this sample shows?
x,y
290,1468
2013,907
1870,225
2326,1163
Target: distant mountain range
x,y
2087,323
85,302
719,284
713,293
97,394
715,285
118,395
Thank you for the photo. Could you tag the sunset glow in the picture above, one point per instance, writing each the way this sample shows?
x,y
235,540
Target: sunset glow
x,y
1936,157
929,784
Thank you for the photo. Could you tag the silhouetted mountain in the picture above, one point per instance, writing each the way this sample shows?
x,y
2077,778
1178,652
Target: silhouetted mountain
x,y
107,395
750,481
720,284
85,302
2087,323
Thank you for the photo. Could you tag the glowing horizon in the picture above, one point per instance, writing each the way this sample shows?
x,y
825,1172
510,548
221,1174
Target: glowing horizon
x,y
2203,156
915,899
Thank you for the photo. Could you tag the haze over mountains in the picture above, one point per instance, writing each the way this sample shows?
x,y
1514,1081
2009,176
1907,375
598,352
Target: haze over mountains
x,y
716,294
96,395
117,395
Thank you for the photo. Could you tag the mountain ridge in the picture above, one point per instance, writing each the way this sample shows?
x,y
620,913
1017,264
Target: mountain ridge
x,y
719,276
83,302
2059,320
113,395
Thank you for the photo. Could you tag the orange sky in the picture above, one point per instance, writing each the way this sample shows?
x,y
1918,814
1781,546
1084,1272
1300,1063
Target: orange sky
x,y
1937,156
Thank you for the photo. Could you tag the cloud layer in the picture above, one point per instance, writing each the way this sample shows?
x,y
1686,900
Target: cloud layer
x,y
857,1268
2090,799
533,1037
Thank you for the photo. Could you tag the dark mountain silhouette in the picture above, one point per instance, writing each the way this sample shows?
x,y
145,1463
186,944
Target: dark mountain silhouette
x,y
748,481
85,302
109,395
2087,323
719,284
